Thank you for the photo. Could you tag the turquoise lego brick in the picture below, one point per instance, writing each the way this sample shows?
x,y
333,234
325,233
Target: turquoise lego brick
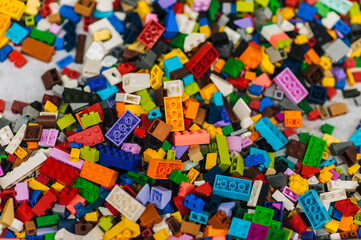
x,y
155,113
187,79
217,99
356,138
270,132
314,209
263,215
314,152
171,64
239,228
201,217
108,92
230,187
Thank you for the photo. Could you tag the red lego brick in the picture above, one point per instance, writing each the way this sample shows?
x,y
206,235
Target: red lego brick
x,y
66,195
260,177
311,43
43,179
254,105
289,132
205,190
308,171
11,158
71,73
202,60
346,207
298,167
45,10
87,21
59,172
239,83
140,132
54,99
349,63
111,208
18,59
179,205
187,123
24,212
151,33
45,203
178,8
129,190
125,68
296,223
95,108
145,123
5,195
2,105
331,92
17,107
314,115
90,136
185,189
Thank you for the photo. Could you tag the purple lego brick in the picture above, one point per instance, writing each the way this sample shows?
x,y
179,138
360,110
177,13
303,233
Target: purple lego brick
x,y
291,195
257,232
64,157
180,150
246,142
22,192
288,172
335,174
144,194
201,5
48,138
160,196
131,147
122,128
338,73
227,207
244,22
234,143
221,124
291,86
166,3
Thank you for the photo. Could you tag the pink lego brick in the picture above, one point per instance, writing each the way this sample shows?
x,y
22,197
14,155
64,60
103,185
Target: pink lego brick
x,y
289,172
246,142
64,157
291,86
48,138
291,195
22,192
1,171
335,174
131,147
201,5
73,202
55,28
150,16
234,143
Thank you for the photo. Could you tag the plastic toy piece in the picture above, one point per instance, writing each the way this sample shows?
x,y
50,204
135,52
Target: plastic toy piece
x,y
314,152
271,133
122,128
125,204
161,169
45,203
173,109
90,136
64,157
191,138
293,118
12,8
98,174
239,228
16,140
234,188
59,172
151,33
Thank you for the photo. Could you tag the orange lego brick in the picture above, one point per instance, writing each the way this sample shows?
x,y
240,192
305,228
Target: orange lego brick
x,y
251,58
254,136
345,223
150,216
191,108
173,109
120,108
250,75
90,136
293,118
162,168
5,22
98,174
219,65
38,50
191,138
277,38
312,57
263,80
13,8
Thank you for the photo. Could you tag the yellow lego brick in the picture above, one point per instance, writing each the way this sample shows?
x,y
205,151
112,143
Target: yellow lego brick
x,y
358,156
330,139
35,185
350,77
325,63
137,46
325,155
162,234
325,177
356,19
273,120
353,169
206,30
12,8
192,175
20,234
208,91
136,109
92,216
5,22
212,130
255,119
328,82
58,187
266,65
50,107
3,41
332,226
101,35
211,160
288,13
161,153
178,216
150,153
156,75
298,184
32,7
125,229
243,6
301,39
194,127
177,52
21,153
74,154
142,10
185,97
173,110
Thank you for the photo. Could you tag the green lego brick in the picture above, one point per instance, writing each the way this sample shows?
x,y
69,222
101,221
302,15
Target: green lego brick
x,y
49,236
248,217
274,5
246,99
87,189
166,146
89,154
171,155
304,137
263,215
237,166
314,152
283,43
233,98
322,9
178,41
43,36
90,119
195,28
303,67
232,67
305,106
65,121
106,222
139,178
46,221
227,130
327,128
191,88
63,108
275,224
223,155
213,10
177,176
277,234
146,100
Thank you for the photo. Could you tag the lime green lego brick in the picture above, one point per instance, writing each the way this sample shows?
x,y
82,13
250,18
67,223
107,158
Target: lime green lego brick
x,y
283,43
338,170
30,21
272,157
106,222
274,5
354,10
263,3
289,232
171,154
322,9
191,88
248,217
227,130
196,28
314,152
178,41
43,36
237,166
63,108
90,119
89,154
305,106
87,189
223,155
49,236
139,178
66,121
243,6
166,146
177,176
46,221
304,137
263,215
327,128
165,79
146,100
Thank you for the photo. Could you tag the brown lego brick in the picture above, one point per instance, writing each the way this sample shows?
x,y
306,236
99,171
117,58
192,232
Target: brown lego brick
x,y
173,224
232,116
270,111
38,50
349,156
51,78
47,121
130,55
338,109
33,133
84,7
159,129
82,228
159,94
190,227
296,149
17,107
313,73
179,73
150,216
30,228
251,172
220,220
54,18
80,48
19,161
201,114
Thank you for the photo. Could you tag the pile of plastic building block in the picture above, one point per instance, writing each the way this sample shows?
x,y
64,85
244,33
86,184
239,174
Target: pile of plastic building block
x,y
186,122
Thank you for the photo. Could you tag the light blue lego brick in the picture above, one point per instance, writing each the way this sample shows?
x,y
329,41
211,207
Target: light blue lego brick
x,y
314,209
201,217
155,113
327,163
270,132
230,187
264,153
356,138
108,92
340,6
16,33
171,64
217,99
62,63
239,228
59,43
187,79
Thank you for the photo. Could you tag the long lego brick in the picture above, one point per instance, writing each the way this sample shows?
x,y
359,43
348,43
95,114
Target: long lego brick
x,y
15,142
59,172
291,86
234,188
125,204
270,132
161,168
38,50
314,209
89,137
173,109
45,203
314,152
12,8
22,171
191,138
122,128
223,154
98,174
64,157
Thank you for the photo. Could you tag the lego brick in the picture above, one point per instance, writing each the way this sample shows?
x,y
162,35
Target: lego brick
x,y
161,169
272,135
314,152
234,188
90,136
38,50
60,172
45,203
96,173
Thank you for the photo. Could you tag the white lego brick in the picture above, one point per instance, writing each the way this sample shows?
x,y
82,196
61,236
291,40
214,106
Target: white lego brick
x,y
16,226
43,25
330,20
242,110
133,82
120,15
357,196
174,88
22,171
125,203
256,190
109,61
234,154
68,83
189,11
313,180
198,183
187,165
304,29
193,40
5,135
159,226
226,8
278,196
335,236
333,196
104,5
246,135
127,98
223,86
349,186
233,36
105,211
49,114
185,25
96,51
68,2
246,122
91,68
286,26
15,142
54,6
95,234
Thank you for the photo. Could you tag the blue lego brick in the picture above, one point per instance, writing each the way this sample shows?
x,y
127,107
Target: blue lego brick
x,y
122,128
5,51
223,115
203,22
342,27
317,95
37,18
211,174
68,224
109,156
97,83
160,196
171,64
234,188
306,11
117,24
75,145
213,203
270,132
212,115
187,79
239,228
108,92
68,12
130,34
169,208
217,99
278,207
59,43
265,102
16,33
62,63
356,138
194,203
255,89
309,235
69,26
155,113
70,35
314,209
34,197
267,159
340,85
254,159
170,24
337,215
200,217
81,210
123,178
